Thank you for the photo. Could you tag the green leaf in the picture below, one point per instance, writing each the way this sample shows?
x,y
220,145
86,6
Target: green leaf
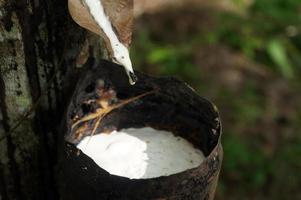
x,y
158,55
277,52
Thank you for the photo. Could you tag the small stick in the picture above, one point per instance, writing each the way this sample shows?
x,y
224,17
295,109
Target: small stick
x,y
101,113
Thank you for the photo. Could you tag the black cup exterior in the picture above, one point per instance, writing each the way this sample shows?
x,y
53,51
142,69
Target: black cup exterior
x,y
173,106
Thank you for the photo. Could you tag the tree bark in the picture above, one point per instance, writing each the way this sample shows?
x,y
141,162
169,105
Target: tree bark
x,y
41,52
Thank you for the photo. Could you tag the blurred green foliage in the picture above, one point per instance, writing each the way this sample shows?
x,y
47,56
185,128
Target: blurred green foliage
x,y
268,27
166,59
262,128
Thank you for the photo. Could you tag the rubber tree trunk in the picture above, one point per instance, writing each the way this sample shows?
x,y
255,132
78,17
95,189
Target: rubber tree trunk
x,y
41,49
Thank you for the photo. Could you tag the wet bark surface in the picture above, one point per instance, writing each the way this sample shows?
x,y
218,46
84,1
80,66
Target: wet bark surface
x,y
161,103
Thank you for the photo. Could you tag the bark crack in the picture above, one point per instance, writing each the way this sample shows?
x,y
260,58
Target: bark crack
x,y
15,187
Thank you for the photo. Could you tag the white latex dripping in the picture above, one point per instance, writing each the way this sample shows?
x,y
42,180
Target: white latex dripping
x,y
120,52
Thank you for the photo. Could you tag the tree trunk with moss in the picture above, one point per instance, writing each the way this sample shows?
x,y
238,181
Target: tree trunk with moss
x,y
41,52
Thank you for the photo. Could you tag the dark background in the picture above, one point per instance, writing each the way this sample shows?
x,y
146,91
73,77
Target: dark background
x,y
245,56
